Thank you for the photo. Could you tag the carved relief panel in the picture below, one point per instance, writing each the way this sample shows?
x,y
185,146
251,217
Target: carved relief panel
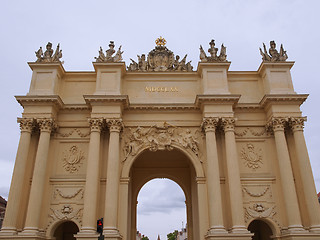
x,y
71,157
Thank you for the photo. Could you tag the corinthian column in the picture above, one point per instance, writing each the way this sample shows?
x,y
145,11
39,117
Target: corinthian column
x,y
12,210
235,189
92,178
39,176
213,178
305,170
286,175
110,229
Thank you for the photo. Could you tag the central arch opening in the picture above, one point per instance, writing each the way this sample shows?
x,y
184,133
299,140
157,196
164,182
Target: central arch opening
x,y
177,168
159,201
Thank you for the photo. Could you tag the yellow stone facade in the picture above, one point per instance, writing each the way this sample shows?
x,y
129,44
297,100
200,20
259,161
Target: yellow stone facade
x,y
232,140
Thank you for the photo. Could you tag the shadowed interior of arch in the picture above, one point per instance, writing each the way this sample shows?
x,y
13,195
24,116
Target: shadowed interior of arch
x,y
66,230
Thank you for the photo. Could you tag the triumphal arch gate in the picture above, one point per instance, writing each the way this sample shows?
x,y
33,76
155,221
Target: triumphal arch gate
x,y
232,140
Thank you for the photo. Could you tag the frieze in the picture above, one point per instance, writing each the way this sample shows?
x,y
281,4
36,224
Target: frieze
x,y
160,138
72,159
252,131
252,156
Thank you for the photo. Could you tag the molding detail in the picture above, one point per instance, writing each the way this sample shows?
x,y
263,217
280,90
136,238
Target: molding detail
x,y
78,131
259,211
251,194
72,159
68,196
160,138
252,157
65,213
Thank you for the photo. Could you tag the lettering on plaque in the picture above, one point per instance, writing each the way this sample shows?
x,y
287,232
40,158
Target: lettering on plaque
x,y
161,89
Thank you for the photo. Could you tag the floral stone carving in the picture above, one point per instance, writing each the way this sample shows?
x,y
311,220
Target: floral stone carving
x,y
72,159
213,53
274,56
160,59
48,56
252,158
65,213
159,138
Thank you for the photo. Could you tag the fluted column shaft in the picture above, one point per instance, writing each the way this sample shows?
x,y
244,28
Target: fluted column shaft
x,y
16,189
213,177
39,176
112,185
286,175
305,170
235,189
92,178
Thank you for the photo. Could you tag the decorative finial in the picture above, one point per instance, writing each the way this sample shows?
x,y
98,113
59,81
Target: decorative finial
x,y
161,41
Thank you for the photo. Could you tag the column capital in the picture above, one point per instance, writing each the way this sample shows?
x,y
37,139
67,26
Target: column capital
x,y
47,124
297,123
277,123
26,124
115,124
209,124
228,123
96,124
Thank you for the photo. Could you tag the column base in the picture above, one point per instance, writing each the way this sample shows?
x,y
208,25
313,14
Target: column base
x,y
239,230
300,236
111,234
229,236
8,231
315,229
87,235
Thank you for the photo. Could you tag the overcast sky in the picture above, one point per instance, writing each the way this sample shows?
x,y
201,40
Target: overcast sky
x,y
81,27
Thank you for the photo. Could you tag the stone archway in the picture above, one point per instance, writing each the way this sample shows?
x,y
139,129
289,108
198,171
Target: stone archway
x,y
260,229
174,165
66,231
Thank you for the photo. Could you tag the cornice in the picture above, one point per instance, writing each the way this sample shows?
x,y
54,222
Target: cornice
x,y
51,65
248,106
217,98
280,99
36,100
76,107
155,107
263,65
98,99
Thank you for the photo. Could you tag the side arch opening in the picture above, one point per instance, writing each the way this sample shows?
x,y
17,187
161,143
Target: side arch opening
x,y
65,230
261,230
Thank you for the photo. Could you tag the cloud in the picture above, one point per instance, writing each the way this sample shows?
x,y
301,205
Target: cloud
x,y
160,196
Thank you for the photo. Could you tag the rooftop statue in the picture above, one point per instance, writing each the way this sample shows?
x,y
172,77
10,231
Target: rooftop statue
x,y
213,53
48,56
274,56
109,54
160,59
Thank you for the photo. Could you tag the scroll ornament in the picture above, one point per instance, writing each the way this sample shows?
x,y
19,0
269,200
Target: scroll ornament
x,y
48,56
159,138
274,55
252,158
72,159
108,57
213,53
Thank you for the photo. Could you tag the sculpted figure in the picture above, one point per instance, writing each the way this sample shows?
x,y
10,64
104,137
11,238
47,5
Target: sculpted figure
x,y
133,66
213,50
213,53
274,56
48,55
108,57
143,64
